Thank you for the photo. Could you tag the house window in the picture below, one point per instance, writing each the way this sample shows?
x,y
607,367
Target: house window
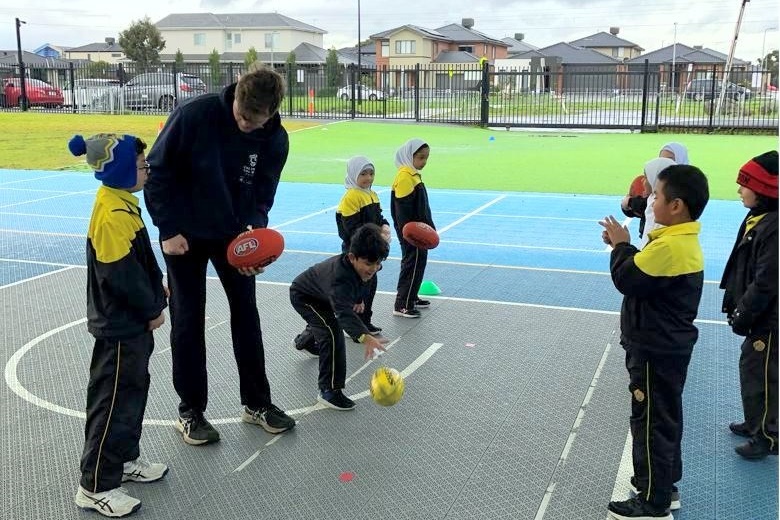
x,y
116,54
237,38
466,48
618,52
385,49
270,40
199,39
405,47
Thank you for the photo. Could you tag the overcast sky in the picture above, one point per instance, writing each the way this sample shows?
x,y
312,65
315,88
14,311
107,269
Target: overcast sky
x,y
650,23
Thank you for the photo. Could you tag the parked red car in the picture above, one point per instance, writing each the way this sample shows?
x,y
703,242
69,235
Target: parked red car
x,y
39,93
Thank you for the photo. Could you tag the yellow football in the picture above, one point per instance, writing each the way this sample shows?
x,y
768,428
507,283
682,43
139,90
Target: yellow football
x,y
387,386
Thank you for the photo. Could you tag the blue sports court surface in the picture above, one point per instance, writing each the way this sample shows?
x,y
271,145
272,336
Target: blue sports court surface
x,y
516,401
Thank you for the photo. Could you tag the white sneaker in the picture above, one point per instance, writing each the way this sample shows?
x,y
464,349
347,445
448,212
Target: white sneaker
x,y
114,503
140,470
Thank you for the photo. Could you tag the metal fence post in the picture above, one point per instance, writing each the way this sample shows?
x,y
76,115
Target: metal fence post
x,y
71,79
645,84
417,92
658,99
484,109
712,99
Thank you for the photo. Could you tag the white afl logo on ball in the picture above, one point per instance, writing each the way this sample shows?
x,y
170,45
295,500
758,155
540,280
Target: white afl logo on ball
x,y
245,247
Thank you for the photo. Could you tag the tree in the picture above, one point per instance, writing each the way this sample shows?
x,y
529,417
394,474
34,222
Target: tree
x,y
179,60
142,43
99,69
216,69
770,64
250,57
291,71
332,72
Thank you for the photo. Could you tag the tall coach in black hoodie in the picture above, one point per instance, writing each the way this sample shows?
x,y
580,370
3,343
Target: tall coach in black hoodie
x,y
214,172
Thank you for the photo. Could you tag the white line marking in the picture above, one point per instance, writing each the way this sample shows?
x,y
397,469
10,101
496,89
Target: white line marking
x,y
48,198
36,190
34,179
406,372
56,217
305,217
572,434
523,246
530,217
217,324
19,282
471,214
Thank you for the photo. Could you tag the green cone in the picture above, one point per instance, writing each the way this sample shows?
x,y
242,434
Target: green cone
x,y
429,288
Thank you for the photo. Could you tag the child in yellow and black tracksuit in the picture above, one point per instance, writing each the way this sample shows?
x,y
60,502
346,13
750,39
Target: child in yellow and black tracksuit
x,y
125,302
409,203
662,286
750,302
358,206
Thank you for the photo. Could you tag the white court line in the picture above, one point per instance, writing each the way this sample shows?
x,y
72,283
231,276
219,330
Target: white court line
x,y
522,246
332,253
48,198
44,275
35,190
55,217
406,372
310,215
471,214
572,434
531,217
35,179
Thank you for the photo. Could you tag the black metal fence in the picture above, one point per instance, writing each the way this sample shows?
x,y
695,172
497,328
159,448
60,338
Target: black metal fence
x,y
643,99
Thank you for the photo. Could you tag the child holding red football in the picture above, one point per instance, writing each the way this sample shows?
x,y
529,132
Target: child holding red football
x,y
329,296
125,302
409,203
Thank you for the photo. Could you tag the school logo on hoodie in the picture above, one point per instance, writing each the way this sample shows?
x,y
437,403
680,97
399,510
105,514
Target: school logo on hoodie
x,y
248,170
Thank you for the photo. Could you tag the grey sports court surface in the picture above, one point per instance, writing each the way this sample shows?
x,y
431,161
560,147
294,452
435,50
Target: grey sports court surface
x,y
516,400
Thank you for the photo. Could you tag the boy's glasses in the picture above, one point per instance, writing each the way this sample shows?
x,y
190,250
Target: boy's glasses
x,y
146,167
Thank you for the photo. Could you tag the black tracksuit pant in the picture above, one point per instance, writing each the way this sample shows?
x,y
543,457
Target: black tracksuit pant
x,y
656,382
116,401
758,385
368,301
187,282
413,261
328,340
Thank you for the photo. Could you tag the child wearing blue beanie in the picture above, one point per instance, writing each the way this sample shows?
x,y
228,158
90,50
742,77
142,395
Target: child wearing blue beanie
x,y
125,302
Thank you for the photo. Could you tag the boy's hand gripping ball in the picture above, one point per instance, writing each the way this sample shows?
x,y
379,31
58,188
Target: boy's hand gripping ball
x,y
255,248
387,386
420,234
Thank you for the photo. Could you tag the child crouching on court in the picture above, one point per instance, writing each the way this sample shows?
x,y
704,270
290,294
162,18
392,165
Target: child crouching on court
x,y
662,285
750,302
329,296
125,302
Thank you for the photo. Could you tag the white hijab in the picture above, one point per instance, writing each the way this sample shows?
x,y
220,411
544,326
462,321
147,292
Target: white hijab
x,y
354,166
679,151
405,155
652,169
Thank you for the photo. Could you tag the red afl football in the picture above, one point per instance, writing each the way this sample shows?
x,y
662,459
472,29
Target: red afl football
x,y
255,248
637,187
420,234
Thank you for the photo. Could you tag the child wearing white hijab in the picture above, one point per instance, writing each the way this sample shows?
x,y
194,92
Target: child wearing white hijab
x,y
358,206
652,169
637,204
409,203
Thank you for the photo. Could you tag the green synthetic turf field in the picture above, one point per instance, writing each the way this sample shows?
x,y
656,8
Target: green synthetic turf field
x,y
461,157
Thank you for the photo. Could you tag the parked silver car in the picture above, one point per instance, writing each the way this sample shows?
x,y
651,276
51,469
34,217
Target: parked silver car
x,y
159,90
367,93
86,93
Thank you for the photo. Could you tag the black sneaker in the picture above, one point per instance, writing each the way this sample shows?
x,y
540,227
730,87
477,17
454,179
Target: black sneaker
x,y
675,505
373,329
196,430
757,448
637,509
407,313
422,303
336,399
741,429
270,418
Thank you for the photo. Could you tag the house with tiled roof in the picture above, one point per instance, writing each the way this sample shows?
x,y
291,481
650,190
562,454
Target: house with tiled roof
x,y
108,51
608,44
678,64
517,45
272,35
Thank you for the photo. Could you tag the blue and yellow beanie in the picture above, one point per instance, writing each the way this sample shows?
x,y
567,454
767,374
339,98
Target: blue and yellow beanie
x,y
112,156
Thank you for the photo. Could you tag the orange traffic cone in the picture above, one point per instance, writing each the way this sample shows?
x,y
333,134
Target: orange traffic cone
x,y
159,128
311,101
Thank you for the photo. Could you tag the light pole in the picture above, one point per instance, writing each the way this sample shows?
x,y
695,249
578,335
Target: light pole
x,y
273,43
763,46
359,83
22,76
674,58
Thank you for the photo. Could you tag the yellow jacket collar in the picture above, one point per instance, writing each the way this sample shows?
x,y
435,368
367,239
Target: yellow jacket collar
x,y
122,194
686,228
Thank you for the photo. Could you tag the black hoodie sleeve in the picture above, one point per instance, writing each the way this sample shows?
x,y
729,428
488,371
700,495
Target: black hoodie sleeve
x,y
159,191
265,185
